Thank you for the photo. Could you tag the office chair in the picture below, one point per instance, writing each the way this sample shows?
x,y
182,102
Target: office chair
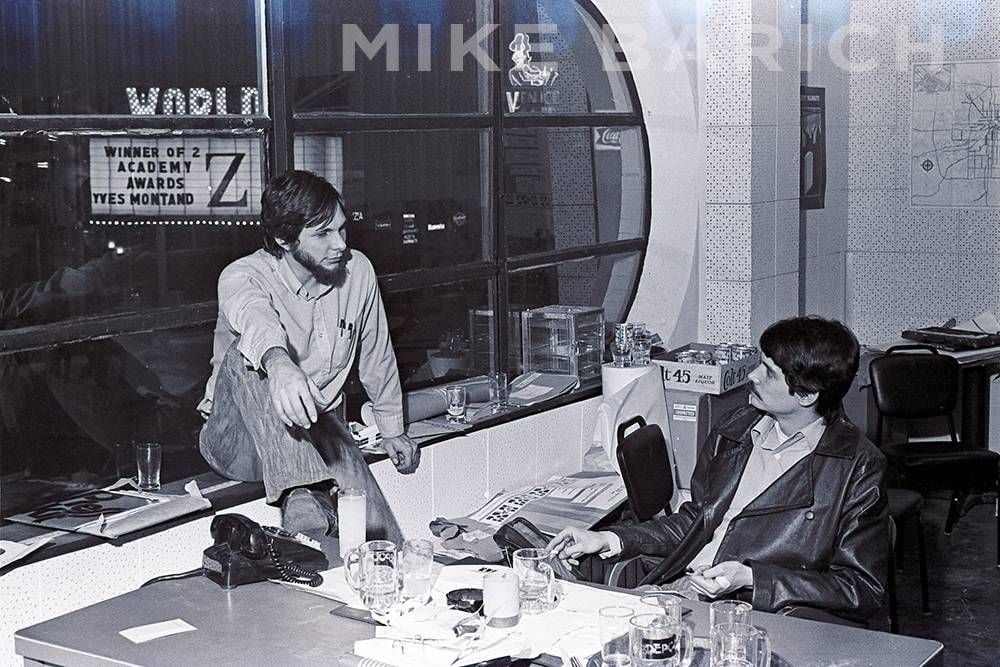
x,y
649,481
904,504
917,386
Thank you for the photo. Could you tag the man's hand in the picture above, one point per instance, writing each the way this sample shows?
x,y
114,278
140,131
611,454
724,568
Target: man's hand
x,y
403,452
720,579
293,394
572,543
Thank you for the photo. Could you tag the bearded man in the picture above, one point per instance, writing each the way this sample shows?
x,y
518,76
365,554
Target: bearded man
x,y
292,317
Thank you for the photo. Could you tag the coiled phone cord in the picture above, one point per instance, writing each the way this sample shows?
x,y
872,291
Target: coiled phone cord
x,y
291,572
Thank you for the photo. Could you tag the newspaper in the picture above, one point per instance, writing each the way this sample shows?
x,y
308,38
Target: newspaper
x,y
579,501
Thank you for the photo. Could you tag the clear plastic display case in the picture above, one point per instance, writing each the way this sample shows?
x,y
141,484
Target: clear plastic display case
x,y
483,343
563,339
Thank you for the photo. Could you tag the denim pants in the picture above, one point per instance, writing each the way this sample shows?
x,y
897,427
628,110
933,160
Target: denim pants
x,y
244,439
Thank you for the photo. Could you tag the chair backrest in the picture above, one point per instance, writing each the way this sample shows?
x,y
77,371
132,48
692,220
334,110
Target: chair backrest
x,y
645,465
914,386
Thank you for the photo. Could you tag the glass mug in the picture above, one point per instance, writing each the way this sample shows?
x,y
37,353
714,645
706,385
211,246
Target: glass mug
x,y
665,603
371,571
536,580
656,641
740,645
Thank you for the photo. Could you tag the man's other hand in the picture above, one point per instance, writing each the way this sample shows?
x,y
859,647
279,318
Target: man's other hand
x,y
572,543
293,394
721,579
403,452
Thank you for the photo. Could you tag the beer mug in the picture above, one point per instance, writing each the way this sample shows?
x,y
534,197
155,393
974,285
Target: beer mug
x,y
537,577
740,645
656,641
371,571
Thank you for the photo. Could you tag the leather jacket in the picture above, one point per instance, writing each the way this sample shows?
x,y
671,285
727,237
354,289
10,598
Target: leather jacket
x,y
818,537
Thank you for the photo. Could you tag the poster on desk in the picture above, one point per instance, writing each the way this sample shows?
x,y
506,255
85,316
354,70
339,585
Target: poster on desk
x,y
175,176
111,514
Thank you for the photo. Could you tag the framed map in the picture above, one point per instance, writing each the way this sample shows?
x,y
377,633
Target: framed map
x,y
955,134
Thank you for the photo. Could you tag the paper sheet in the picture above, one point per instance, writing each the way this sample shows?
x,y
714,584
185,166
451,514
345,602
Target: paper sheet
x,y
144,633
14,551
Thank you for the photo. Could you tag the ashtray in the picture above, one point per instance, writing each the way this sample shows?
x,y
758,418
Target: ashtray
x,y
469,600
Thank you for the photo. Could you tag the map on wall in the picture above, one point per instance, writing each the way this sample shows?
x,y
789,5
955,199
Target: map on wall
x,y
955,134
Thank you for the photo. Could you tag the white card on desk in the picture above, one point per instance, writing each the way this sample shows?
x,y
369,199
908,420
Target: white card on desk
x,y
143,633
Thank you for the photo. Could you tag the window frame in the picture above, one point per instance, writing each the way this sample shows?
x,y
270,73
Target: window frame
x,y
279,125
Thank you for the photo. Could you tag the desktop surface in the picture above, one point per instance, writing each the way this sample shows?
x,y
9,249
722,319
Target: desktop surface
x,y
268,624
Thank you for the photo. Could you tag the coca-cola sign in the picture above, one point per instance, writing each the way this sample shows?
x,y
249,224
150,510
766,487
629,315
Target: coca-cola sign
x,y
608,138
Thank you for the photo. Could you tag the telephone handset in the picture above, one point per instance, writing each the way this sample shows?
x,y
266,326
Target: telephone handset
x,y
245,552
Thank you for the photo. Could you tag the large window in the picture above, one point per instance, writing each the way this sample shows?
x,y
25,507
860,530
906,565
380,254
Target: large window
x,y
490,158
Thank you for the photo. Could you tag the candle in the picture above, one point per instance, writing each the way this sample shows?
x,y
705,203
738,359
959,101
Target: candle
x,y
500,598
352,518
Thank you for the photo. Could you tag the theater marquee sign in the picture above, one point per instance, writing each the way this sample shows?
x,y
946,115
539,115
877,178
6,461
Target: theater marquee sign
x,y
176,176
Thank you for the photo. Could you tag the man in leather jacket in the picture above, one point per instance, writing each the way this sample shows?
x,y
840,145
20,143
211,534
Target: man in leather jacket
x,y
788,505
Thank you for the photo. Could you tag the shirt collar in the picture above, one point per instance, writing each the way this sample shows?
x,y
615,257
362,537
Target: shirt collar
x,y
809,435
309,291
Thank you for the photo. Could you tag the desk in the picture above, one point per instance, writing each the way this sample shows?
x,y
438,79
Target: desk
x,y
267,624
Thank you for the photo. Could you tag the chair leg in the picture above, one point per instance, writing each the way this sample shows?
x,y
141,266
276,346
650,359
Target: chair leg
x,y
924,602
891,586
899,544
955,510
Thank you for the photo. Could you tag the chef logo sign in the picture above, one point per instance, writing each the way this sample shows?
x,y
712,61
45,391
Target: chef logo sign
x,y
175,176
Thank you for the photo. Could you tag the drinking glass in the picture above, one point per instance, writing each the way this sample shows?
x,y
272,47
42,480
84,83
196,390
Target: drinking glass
x,y
640,349
621,354
352,519
498,392
656,641
371,570
740,645
148,457
536,576
668,604
416,563
457,398
613,627
723,612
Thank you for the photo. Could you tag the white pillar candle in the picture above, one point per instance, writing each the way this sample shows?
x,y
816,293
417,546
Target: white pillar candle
x,y
500,598
351,513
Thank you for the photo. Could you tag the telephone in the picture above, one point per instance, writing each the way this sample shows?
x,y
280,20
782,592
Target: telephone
x,y
245,552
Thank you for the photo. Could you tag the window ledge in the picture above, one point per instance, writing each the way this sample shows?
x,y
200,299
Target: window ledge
x,y
243,492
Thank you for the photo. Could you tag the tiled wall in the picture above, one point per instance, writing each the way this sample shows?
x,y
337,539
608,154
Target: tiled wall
x,y
454,478
911,266
750,239
825,247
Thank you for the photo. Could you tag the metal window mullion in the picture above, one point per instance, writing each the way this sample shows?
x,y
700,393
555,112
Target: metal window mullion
x,y
572,120
312,122
535,260
127,123
420,278
501,298
280,146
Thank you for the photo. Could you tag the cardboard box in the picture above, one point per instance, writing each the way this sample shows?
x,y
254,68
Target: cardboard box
x,y
717,379
691,417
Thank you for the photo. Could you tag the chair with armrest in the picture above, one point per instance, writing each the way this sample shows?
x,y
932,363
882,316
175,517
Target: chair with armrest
x,y
916,382
649,481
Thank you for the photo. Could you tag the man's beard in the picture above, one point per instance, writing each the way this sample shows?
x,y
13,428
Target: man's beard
x,y
324,275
